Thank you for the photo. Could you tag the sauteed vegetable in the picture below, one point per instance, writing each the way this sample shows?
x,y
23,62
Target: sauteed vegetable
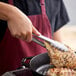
x,y
61,72
61,59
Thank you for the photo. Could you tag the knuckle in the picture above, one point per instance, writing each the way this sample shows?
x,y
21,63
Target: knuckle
x,y
13,34
29,32
17,35
23,34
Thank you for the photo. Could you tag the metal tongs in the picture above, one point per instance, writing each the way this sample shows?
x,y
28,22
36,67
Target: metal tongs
x,y
52,42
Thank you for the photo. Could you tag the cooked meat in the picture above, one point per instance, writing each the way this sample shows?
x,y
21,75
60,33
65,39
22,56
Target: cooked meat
x,y
61,72
61,58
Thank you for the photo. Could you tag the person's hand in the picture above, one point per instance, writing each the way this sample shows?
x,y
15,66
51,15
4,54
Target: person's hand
x,y
20,25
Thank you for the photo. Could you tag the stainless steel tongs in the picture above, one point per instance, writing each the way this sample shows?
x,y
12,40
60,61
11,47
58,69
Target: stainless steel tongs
x,y
54,43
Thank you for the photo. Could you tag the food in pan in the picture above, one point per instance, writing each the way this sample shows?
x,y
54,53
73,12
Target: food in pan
x,y
65,62
61,58
61,72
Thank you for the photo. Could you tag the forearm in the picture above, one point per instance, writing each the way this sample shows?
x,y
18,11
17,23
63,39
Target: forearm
x,y
6,11
57,36
19,24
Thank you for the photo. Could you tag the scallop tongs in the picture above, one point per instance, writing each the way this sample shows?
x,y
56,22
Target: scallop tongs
x,y
52,42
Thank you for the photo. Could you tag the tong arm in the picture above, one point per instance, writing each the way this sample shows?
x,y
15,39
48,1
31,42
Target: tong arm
x,y
52,42
38,42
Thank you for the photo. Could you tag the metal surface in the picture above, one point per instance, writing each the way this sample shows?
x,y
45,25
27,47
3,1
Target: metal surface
x,y
52,42
38,42
39,64
44,68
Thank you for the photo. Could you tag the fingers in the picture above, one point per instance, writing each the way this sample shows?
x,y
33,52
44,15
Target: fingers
x,y
26,37
29,37
27,34
35,31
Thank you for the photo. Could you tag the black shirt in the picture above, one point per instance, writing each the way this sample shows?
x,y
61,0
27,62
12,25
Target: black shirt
x,y
55,10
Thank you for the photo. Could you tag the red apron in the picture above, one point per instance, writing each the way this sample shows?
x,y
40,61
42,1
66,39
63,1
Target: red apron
x,y
12,50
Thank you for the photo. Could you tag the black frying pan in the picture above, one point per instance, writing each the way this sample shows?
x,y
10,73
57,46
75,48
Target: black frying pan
x,y
39,64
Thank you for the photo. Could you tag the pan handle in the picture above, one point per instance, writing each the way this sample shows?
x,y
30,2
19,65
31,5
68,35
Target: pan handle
x,y
26,61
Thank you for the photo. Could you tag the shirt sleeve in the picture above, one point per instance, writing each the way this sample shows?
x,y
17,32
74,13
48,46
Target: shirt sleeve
x,y
62,17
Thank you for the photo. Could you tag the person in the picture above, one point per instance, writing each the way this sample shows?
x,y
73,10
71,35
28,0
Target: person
x,y
19,19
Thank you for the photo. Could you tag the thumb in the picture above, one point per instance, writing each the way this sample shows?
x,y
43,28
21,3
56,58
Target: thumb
x,y
35,31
